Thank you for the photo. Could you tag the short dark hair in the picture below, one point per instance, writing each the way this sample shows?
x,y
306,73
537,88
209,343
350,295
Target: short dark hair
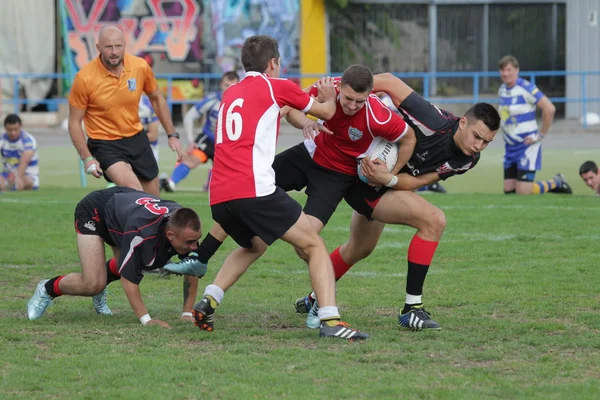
x,y
185,218
587,167
12,119
359,78
506,60
230,76
484,112
257,51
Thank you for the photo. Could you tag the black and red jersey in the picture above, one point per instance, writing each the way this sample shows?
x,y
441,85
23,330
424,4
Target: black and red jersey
x,y
136,224
435,150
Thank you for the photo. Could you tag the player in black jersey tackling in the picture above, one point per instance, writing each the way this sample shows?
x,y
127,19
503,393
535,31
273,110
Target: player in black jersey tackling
x,y
447,145
144,233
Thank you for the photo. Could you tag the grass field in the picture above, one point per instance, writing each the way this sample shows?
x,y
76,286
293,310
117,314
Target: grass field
x,y
514,284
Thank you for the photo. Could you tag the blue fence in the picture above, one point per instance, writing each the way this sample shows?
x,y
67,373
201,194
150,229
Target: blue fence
x,y
428,79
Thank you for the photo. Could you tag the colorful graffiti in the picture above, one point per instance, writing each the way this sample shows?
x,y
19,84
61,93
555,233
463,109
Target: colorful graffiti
x,y
209,32
175,34
234,20
171,28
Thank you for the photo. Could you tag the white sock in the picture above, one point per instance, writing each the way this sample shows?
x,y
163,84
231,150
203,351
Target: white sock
x,y
329,312
412,299
215,292
155,151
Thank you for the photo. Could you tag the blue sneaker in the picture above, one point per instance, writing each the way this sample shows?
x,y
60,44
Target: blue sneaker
x,y
312,319
100,305
36,306
416,319
190,265
303,304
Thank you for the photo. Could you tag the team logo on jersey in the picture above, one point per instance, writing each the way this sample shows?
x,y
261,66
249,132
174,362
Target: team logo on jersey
x,y
445,168
90,225
131,84
354,134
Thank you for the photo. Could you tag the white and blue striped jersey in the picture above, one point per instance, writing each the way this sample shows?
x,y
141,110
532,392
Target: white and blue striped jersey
x,y
517,111
11,152
147,114
209,106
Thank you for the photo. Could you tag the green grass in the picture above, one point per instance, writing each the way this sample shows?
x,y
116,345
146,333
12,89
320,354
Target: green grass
x,y
514,283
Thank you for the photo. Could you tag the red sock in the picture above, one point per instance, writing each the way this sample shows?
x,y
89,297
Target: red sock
x,y
339,265
112,265
421,251
55,287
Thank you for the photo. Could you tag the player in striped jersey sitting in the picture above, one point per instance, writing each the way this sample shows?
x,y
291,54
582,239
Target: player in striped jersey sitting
x,y
519,99
18,151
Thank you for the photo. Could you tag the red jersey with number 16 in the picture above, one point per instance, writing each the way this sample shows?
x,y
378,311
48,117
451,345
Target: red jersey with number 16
x,y
246,136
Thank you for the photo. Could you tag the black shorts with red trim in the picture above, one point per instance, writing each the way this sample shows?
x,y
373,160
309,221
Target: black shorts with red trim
x,y
363,198
268,217
295,170
134,150
90,213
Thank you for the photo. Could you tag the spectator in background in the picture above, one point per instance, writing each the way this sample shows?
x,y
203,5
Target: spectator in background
x,y
18,150
202,148
523,156
149,120
589,173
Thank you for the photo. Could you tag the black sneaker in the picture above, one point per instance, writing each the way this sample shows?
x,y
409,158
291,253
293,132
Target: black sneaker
x,y
341,331
436,187
204,315
562,185
166,185
303,304
416,319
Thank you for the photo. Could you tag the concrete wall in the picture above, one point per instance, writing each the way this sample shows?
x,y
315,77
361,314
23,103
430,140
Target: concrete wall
x,y
583,53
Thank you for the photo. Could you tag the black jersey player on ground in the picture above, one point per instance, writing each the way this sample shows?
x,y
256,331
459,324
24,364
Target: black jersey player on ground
x,y
447,145
143,231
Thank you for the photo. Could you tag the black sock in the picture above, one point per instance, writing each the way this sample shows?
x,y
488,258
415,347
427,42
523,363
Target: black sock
x,y
50,287
208,248
415,279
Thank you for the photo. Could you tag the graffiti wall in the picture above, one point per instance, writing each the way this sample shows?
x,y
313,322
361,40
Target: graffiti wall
x,y
183,35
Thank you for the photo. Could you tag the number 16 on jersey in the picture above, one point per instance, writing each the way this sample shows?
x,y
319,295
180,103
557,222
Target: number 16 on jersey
x,y
233,121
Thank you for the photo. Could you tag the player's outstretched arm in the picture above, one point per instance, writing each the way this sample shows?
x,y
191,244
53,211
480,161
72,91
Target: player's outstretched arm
x,y
378,175
393,86
188,124
132,291
324,110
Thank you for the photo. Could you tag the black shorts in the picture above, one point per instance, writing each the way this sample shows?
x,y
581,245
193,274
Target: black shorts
x,y
134,150
90,213
520,175
204,147
268,217
325,188
364,198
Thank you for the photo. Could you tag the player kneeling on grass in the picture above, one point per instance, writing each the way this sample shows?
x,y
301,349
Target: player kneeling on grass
x,y
143,231
447,145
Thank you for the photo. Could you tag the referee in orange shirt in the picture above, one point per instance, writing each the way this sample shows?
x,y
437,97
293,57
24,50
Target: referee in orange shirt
x,y
105,95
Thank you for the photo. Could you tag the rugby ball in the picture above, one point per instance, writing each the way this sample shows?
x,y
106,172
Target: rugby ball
x,y
383,150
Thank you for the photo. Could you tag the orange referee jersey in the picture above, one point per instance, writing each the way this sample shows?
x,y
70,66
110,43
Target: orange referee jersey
x,y
111,102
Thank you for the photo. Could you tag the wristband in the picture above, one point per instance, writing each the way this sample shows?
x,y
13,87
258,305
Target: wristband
x,y
144,319
392,182
90,170
186,314
88,159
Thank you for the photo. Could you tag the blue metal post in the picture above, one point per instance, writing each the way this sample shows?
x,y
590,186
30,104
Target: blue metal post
x,y
584,98
16,95
476,88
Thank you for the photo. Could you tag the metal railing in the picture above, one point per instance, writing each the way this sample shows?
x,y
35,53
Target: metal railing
x,y
428,81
